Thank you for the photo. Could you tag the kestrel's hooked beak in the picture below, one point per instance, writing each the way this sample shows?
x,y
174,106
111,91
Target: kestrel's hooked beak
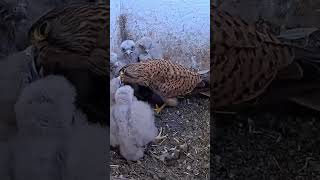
x,y
121,76
32,54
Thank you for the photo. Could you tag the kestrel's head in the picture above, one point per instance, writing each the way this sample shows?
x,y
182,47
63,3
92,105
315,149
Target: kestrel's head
x,y
127,47
41,35
134,74
39,32
68,30
144,44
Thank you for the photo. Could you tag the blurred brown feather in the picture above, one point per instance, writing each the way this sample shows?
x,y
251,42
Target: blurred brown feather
x,y
247,61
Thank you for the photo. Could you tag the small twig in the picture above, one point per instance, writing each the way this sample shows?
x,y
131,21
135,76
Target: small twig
x,y
224,112
276,162
305,164
114,166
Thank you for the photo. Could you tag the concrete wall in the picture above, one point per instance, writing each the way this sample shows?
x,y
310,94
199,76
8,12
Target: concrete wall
x,y
114,26
182,27
285,13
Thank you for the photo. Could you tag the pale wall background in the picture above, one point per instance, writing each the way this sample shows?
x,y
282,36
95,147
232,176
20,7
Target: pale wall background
x,y
285,13
182,27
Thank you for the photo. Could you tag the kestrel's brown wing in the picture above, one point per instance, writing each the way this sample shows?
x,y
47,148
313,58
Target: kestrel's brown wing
x,y
169,80
245,61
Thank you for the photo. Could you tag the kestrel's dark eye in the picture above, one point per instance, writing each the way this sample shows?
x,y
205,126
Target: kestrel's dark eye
x,y
43,29
41,32
123,49
141,46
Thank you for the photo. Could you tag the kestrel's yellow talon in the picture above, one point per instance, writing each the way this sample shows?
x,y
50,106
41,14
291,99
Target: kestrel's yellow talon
x,y
159,109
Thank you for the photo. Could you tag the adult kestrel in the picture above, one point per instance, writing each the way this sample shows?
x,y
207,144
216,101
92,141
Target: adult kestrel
x,y
164,78
72,41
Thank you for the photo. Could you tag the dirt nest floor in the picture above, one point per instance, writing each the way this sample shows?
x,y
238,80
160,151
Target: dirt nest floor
x,y
184,154
267,146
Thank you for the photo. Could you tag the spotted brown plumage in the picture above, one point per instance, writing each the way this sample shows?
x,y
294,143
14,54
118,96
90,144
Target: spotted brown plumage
x,y
245,61
72,41
163,77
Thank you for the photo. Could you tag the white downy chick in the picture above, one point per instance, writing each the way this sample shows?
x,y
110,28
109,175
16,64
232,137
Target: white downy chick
x,y
46,105
115,84
148,49
16,73
131,124
128,52
115,65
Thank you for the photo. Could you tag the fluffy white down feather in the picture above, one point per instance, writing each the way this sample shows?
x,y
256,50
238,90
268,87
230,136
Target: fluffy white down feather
x,y
148,49
131,124
115,65
128,52
16,73
45,104
114,85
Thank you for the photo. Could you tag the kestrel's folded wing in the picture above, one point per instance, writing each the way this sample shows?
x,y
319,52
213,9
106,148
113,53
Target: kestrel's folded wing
x,y
173,79
245,61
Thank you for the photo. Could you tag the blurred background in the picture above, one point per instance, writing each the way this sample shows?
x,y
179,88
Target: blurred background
x,y
268,144
283,13
181,27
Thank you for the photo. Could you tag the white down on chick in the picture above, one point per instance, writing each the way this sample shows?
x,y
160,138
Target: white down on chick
x,y
16,72
115,84
46,105
128,52
148,49
131,124
115,65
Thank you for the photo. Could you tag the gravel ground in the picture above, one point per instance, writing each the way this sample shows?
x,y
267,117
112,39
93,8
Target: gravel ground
x,y
184,154
267,146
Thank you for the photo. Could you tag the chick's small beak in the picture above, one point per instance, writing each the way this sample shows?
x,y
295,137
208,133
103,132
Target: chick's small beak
x,y
128,52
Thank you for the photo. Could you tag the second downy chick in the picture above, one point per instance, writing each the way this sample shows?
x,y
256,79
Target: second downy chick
x,y
148,49
131,124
